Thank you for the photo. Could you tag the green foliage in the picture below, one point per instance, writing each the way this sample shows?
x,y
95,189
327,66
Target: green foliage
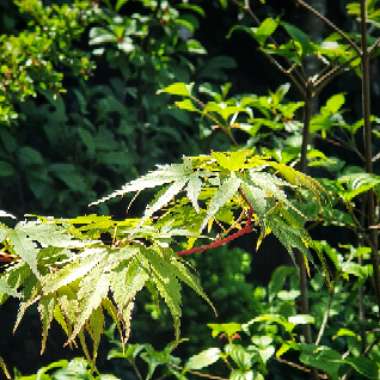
x,y
31,61
77,368
65,267
268,340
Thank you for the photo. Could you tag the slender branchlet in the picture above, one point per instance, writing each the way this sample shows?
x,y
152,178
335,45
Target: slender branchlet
x,y
329,23
366,105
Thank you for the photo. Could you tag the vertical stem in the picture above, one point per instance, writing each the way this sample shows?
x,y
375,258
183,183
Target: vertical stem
x,y
304,305
361,309
306,127
366,104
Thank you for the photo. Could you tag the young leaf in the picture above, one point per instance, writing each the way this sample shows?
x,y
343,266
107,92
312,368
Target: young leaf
x,y
178,88
266,29
203,359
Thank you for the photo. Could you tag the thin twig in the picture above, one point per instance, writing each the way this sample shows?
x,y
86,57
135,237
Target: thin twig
x,y
368,349
207,375
247,229
372,49
137,371
332,25
225,129
366,104
292,72
200,374
325,318
300,368
325,79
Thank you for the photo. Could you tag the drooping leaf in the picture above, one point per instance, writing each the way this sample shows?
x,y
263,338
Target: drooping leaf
x,y
95,329
163,277
46,310
183,274
93,288
72,271
193,190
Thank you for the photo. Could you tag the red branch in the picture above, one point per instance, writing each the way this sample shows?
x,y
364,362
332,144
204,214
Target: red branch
x,y
219,242
6,258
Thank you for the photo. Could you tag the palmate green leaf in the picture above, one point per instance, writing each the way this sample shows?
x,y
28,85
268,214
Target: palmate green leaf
x,y
95,328
82,276
193,190
92,290
125,282
290,237
232,161
25,248
166,197
165,280
184,275
256,197
224,194
73,271
6,288
163,175
46,310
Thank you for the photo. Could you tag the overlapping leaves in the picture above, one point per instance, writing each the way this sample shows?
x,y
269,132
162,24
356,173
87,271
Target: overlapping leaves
x,y
76,276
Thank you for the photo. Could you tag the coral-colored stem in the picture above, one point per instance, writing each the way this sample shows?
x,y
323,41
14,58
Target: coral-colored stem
x,y
220,242
6,258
